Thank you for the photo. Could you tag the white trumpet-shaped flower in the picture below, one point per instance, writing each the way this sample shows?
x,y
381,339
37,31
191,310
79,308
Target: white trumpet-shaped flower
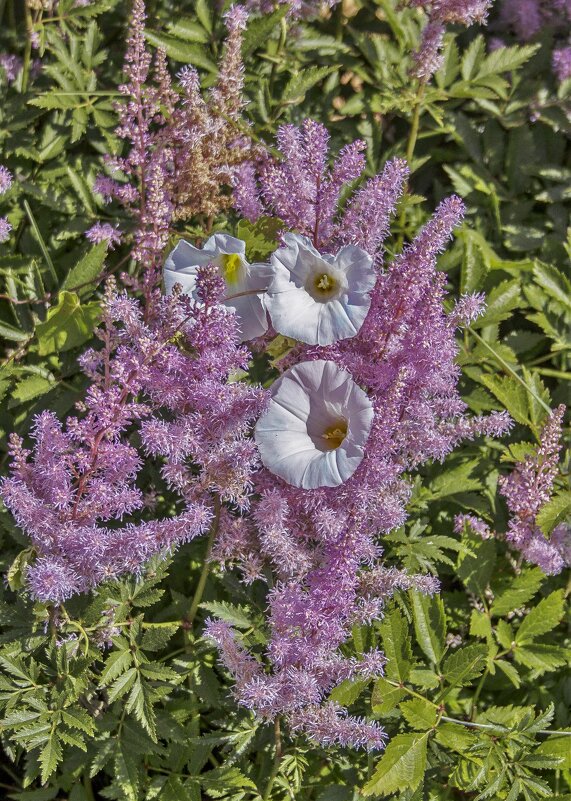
x,y
242,279
315,298
316,427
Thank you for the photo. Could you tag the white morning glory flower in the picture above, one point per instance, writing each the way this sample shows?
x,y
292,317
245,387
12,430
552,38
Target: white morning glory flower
x,y
240,277
317,424
319,299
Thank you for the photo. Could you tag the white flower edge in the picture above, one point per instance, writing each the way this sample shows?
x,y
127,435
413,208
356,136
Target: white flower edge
x,y
291,299
184,260
308,400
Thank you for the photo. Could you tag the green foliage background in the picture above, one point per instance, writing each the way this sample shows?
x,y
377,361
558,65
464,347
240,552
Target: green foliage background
x,y
477,677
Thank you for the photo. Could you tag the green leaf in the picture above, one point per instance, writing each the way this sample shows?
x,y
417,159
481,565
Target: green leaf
x,y
230,613
402,766
300,83
182,51
396,645
88,269
16,575
476,565
554,512
155,638
68,324
419,714
541,657
453,481
122,684
465,664
116,663
50,757
31,387
185,28
260,28
510,671
543,618
474,267
348,691
472,57
554,282
505,59
500,303
385,697
480,625
511,394
429,624
558,746
261,237
140,705
521,589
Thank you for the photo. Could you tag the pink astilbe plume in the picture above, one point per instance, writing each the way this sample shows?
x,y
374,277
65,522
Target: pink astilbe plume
x,y
5,184
527,489
78,478
404,356
527,18
183,148
303,191
441,13
297,9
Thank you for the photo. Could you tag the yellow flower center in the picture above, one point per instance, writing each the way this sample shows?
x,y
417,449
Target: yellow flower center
x,y
231,264
335,434
324,285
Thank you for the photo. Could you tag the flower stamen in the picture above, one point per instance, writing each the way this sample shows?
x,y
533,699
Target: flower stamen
x,y
231,265
335,434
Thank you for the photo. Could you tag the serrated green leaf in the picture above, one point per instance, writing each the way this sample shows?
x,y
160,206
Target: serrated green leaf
x,y
116,663
87,270
68,324
229,613
348,691
261,237
156,638
296,88
122,684
419,714
520,591
50,757
541,657
396,645
505,59
179,50
429,624
402,766
500,302
542,618
555,511
259,29
465,664
385,697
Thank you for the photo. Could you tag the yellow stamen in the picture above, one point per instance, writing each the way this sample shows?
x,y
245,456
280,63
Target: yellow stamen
x,y
335,434
231,264
324,283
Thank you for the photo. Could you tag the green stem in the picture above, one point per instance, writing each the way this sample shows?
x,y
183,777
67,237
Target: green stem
x,y
509,369
207,565
477,692
41,243
410,692
469,724
413,133
410,145
88,787
277,760
28,50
